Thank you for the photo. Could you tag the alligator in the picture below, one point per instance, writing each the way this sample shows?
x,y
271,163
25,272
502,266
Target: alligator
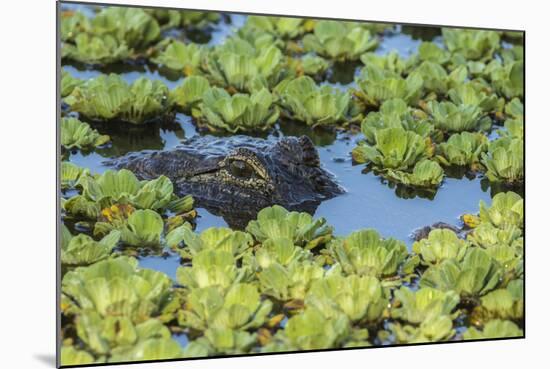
x,y
237,176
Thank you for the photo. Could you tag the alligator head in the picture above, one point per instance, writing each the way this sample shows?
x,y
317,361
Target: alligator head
x,y
237,176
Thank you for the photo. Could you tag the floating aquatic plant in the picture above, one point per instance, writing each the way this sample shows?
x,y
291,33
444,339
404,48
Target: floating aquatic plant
x,y
424,304
394,148
240,308
391,61
463,149
282,27
77,134
240,66
426,173
109,97
288,283
436,79
360,298
365,252
301,228
235,242
506,209
189,94
339,41
68,83
472,44
433,329
504,303
377,85
504,160
211,267
142,228
476,275
184,58
83,250
452,118
441,244
240,112
71,174
494,329
395,113
304,101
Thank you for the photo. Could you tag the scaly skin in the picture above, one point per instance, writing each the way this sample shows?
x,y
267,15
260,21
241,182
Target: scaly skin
x,y
237,176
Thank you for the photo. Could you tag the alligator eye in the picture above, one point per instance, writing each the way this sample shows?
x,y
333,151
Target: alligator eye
x,y
241,169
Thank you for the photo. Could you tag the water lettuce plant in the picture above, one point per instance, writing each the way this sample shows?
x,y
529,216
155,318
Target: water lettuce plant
x,y
312,330
452,118
376,85
474,95
426,173
240,308
187,19
281,251
68,83
441,244
301,228
463,149
504,303
189,94
114,194
213,238
361,298
395,113
110,98
365,252
77,134
303,100
289,283
394,148
313,66
142,228
71,174
240,66
117,287
423,304
211,267
472,44
114,34
436,79
433,329
339,41
506,209
240,112
391,61
494,329
281,27
504,160
82,250
476,275
184,58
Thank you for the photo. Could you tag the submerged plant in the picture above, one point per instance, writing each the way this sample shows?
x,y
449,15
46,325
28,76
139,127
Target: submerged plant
x,y
504,160
109,97
240,112
303,100
301,228
77,134
339,41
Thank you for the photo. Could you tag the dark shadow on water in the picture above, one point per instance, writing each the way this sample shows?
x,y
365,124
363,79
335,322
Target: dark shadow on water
x,y
343,73
421,33
47,359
